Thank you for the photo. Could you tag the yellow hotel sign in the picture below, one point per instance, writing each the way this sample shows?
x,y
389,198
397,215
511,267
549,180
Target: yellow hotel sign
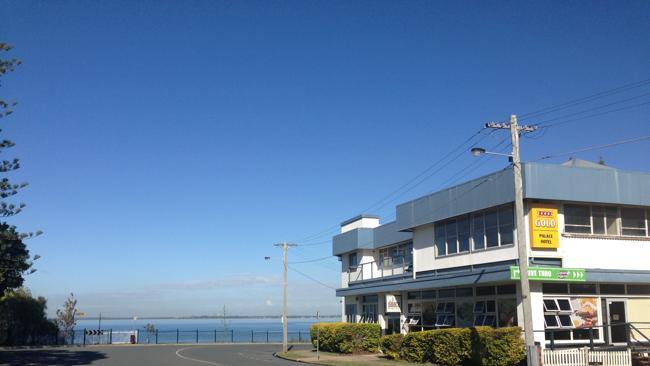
x,y
544,233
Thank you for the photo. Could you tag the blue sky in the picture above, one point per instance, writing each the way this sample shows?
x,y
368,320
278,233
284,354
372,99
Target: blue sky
x,y
169,144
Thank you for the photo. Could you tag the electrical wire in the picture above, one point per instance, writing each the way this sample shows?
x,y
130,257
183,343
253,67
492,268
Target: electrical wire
x,y
311,278
586,99
312,260
594,108
413,182
598,147
594,115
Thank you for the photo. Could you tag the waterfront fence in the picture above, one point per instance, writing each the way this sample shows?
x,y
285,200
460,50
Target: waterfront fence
x,y
173,336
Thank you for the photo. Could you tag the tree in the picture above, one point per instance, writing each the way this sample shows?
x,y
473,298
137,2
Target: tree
x,y
65,318
14,256
150,329
14,260
23,320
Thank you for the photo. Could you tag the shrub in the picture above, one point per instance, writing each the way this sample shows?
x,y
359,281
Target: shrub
x,y
416,346
451,347
391,345
482,346
497,347
346,337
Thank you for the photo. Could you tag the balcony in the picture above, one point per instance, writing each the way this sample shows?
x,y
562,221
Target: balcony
x,y
391,267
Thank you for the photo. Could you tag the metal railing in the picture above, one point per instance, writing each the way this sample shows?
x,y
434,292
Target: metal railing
x,y
635,334
170,336
375,270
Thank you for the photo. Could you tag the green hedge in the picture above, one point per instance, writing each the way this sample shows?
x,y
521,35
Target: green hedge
x,y
483,346
346,337
497,347
391,345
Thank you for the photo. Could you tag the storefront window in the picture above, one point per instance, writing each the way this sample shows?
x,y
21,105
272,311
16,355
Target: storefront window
x,y
507,312
583,288
485,313
445,314
612,289
351,313
465,313
571,318
428,314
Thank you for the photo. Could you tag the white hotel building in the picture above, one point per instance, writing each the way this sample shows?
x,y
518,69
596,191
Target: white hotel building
x,y
446,259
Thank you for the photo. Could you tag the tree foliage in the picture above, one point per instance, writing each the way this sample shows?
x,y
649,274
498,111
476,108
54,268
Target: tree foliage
x,y
14,256
65,318
23,320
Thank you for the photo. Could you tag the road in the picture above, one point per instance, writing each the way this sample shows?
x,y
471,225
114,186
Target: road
x,y
159,355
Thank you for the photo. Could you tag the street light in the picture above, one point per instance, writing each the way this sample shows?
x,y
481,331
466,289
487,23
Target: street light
x,y
478,151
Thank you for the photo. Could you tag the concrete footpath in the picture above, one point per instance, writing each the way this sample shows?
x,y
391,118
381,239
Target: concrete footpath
x,y
309,356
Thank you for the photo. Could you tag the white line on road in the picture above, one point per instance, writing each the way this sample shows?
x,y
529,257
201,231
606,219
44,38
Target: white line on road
x,y
178,353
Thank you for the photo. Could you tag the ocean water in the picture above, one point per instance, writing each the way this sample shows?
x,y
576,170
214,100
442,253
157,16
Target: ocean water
x,y
256,330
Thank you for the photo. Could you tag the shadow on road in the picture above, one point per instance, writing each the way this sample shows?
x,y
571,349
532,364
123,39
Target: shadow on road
x,y
49,357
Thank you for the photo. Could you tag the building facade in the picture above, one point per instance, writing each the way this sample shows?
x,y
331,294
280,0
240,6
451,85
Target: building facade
x,y
450,258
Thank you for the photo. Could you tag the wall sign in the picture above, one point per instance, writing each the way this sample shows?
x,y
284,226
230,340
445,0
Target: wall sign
x,y
550,274
393,304
544,232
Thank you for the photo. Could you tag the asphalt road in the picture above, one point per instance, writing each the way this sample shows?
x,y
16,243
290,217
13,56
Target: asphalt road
x,y
159,355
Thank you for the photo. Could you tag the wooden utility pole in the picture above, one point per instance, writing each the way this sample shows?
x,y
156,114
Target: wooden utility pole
x,y
522,247
285,246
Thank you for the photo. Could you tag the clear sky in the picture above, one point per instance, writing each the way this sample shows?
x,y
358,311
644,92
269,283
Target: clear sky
x,y
169,144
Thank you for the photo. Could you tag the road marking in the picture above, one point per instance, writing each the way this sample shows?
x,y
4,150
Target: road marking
x,y
178,353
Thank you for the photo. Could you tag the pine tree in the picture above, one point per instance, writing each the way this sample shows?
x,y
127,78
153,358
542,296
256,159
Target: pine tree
x,y
14,256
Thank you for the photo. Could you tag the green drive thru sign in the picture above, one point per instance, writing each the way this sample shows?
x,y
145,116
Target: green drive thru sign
x,y
550,274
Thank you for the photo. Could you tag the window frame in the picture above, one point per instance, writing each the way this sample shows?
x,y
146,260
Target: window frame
x,y
469,222
610,226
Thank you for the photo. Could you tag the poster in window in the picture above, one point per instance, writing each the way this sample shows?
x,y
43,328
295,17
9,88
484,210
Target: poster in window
x,y
585,312
393,304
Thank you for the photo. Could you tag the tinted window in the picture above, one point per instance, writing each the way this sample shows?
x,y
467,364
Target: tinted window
x,y
612,289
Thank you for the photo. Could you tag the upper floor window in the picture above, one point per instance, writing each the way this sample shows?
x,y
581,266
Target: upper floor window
x,y
480,230
605,220
352,259
396,255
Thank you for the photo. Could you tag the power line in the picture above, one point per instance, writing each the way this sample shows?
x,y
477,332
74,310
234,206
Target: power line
x,y
425,171
316,243
594,108
311,278
598,147
595,115
413,182
586,99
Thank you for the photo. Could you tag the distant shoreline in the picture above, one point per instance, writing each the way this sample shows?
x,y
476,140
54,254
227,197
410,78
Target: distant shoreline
x,y
207,317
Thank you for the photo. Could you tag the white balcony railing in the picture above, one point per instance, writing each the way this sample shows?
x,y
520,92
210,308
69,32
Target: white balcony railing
x,y
374,270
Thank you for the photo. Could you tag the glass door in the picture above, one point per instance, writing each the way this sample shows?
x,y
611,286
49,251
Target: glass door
x,y
617,319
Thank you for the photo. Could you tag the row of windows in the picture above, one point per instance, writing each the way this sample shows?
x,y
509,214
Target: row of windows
x,y
606,220
592,289
495,227
477,231
396,255
428,314
462,292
